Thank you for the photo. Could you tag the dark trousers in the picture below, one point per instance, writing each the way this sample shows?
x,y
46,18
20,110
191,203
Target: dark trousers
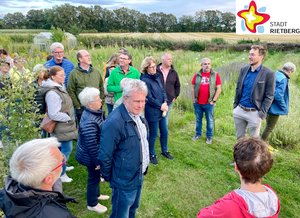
x,y
271,121
93,188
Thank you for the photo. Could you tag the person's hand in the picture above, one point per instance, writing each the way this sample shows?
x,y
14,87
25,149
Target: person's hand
x,y
97,167
164,107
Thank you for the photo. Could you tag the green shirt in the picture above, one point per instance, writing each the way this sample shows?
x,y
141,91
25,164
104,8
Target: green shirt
x,y
115,77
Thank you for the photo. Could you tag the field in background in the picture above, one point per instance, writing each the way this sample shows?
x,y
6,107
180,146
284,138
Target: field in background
x,y
228,37
200,174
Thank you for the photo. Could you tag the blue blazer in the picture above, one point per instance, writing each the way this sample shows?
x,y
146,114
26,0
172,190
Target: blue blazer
x,y
262,93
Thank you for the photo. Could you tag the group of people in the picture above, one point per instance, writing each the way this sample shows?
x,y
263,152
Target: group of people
x,y
120,147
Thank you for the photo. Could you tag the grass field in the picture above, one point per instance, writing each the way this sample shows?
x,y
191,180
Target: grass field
x,y
200,173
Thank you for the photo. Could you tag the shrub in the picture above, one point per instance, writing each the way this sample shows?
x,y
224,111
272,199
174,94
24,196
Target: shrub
x,y
18,117
218,41
197,46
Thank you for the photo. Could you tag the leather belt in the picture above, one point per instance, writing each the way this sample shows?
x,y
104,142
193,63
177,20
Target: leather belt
x,y
247,109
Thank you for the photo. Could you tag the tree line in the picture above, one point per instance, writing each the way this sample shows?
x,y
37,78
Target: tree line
x,y
97,19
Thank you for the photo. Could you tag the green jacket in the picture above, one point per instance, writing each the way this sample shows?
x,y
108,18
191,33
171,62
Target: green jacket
x,y
115,77
79,79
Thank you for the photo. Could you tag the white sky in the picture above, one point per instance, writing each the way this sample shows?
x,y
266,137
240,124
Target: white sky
x,y
176,7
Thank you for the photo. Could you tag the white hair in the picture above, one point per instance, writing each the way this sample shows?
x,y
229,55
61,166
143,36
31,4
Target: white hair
x,y
33,161
289,66
88,95
134,85
39,68
55,45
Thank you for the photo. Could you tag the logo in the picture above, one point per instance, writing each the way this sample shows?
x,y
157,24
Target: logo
x,y
253,18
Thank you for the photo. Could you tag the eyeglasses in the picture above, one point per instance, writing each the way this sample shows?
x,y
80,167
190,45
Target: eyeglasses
x,y
58,52
124,59
152,67
63,162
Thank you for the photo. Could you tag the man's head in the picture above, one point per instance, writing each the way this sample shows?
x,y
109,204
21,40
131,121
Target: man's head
x,y
37,163
289,68
4,66
3,53
134,96
252,158
84,58
166,60
19,62
124,59
57,50
257,54
205,64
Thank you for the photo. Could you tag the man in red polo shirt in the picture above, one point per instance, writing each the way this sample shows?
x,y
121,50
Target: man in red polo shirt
x,y
206,88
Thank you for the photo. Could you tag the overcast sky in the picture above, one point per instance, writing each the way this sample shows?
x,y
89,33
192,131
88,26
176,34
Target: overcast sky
x,y
176,7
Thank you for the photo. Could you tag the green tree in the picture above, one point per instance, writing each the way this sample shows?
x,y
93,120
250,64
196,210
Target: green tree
x,y
36,19
186,24
228,22
14,21
161,22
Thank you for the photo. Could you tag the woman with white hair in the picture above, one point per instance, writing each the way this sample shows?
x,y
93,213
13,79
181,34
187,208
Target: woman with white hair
x,y
88,142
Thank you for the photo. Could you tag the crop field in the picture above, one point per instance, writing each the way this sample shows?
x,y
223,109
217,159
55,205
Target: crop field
x,y
228,37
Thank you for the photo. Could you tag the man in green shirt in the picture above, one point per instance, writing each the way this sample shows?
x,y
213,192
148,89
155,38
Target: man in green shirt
x,y
124,70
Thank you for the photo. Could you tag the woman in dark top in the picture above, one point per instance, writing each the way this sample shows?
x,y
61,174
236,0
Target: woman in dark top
x,y
155,109
88,142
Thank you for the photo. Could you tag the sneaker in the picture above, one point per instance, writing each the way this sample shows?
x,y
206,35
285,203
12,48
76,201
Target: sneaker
x,y
196,137
102,179
69,168
65,178
167,155
98,208
208,141
271,149
103,197
153,160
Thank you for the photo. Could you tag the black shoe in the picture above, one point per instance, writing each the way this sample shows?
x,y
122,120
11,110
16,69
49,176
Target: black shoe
x,y
153,160
167,155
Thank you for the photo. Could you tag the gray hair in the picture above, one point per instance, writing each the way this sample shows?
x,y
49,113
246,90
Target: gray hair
x,y
38,68
33,161
289,66
88,95
134,85
204,59
165,55
55,45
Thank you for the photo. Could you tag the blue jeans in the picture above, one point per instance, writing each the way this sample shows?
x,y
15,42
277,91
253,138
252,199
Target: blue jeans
x,y
93,188
66,148
125,202
208,109
163,129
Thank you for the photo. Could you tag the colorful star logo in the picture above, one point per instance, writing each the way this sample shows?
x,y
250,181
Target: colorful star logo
x,y
252,17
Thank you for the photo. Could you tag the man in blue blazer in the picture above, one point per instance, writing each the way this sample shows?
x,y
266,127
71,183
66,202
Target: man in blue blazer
x,y
254,93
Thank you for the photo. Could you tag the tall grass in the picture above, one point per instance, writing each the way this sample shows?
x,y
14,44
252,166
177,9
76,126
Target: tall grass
x,y
200,173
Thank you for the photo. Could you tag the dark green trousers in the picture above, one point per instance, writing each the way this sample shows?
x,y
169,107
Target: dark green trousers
x,y
270,125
